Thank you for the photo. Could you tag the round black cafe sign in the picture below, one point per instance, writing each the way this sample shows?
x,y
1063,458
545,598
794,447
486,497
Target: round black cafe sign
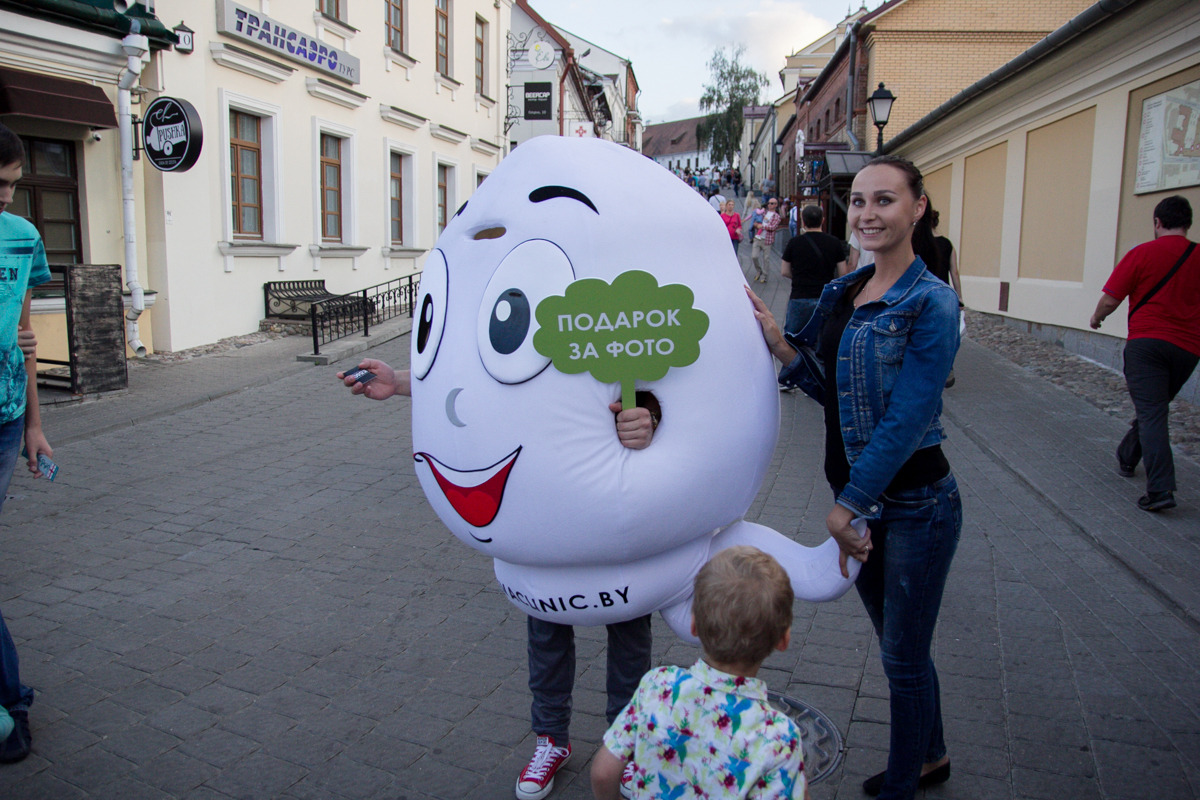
x,y
172,134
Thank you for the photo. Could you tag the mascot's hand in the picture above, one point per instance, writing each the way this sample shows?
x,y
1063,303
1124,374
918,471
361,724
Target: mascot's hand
x,y
635,427
387,383
850,543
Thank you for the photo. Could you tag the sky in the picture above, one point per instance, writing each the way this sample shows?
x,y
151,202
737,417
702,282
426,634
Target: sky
x,y
671,41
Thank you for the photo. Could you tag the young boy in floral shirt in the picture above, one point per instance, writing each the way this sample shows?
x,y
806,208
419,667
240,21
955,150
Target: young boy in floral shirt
x,y
707,731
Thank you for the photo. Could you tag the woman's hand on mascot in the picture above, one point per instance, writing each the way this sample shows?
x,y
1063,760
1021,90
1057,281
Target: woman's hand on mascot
x,y
635,427
849,542
772,335
386,383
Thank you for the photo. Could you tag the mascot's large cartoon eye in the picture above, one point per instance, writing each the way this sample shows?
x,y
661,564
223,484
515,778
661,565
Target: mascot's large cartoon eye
x,y
430,313
529,274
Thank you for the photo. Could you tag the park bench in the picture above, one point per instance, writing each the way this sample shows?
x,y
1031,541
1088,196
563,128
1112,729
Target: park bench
x,y
294,299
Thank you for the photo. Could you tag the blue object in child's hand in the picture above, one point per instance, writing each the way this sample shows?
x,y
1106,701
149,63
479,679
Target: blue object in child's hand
x,y
48,467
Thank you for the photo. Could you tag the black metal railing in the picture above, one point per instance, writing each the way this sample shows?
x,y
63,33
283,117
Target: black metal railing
x,y
343,315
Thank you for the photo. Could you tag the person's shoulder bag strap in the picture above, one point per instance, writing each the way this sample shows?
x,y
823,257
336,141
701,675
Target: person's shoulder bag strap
x,y
1186,253
816,250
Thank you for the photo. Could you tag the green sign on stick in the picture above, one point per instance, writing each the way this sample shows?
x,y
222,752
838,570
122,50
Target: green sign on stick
x,y
630,330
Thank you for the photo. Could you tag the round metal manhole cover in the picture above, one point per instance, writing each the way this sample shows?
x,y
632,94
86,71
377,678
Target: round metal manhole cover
x,y
823,744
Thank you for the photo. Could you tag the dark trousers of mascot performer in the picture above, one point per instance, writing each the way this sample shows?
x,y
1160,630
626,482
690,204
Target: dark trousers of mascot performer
x,y
552,671
552,681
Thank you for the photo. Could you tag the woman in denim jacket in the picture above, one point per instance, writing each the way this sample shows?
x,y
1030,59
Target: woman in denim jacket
x,y
891,328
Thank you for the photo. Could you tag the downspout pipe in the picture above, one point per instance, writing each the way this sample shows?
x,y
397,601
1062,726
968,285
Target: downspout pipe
x,y
562,92
851,79
136,46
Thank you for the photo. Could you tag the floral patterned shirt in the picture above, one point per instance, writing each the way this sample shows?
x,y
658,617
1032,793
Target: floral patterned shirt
x,y
702,733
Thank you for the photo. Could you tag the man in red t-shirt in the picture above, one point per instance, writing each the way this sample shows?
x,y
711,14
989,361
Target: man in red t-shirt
x,y
1164,341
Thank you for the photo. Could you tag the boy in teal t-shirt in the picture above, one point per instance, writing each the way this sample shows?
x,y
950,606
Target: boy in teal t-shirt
x,y
22,266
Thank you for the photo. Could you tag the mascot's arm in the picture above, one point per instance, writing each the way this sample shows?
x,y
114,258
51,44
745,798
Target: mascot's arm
x,y
815,573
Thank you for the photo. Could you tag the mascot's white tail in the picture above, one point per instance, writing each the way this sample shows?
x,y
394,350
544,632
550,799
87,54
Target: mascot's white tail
x,y
816,576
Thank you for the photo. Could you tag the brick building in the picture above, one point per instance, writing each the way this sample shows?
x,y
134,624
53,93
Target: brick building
x,y
925,51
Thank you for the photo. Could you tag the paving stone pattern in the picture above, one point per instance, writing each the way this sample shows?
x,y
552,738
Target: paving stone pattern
x,y
243,594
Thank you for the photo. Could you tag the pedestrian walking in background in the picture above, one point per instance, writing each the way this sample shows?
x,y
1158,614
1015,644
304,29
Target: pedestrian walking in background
x,y
764,239
752,213
768,187
809,261
737,182
1161,278
733,224
857,257
938,254
887,336
22,266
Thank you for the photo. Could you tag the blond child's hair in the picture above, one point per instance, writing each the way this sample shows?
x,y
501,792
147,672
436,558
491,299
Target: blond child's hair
x,y
742,605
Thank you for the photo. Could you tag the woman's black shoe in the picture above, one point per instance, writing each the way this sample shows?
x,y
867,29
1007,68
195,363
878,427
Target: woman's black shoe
x,y
873,785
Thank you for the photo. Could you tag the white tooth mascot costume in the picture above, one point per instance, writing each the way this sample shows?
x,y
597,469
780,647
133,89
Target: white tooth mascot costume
x,y
521,460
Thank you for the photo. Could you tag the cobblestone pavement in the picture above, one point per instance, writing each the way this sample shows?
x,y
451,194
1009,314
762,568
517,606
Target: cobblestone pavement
x,y
1098,384
248,597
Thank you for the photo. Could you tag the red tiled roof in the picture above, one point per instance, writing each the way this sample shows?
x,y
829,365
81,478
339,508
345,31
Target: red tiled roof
x,y
667,138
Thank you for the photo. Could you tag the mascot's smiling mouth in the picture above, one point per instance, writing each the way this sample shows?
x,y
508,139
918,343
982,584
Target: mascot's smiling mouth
x,y
475,494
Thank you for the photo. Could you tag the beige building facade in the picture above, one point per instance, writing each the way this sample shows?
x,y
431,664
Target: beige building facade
x,y
341,167
1036,169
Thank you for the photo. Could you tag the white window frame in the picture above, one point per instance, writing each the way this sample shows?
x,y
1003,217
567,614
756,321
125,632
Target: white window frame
x,y
411,244
452,193
487,52
348,247
404,36
270,131
449,73
478,175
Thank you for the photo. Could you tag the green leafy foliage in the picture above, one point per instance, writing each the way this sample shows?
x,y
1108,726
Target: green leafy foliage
x,y
733,85
629,330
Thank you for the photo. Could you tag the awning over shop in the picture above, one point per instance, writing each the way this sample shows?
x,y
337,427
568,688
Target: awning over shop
x,y
846,163
31,95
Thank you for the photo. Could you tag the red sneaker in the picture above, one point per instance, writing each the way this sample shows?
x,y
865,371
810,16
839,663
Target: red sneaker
x,y
537,779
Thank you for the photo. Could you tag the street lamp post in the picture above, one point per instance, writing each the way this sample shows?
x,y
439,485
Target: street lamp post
x,y
880,103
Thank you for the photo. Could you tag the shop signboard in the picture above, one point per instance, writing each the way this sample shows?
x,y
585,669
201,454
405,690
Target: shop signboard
x,y
537,100
259,30
172,134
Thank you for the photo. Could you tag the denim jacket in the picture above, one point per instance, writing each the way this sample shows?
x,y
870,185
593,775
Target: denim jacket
x,y
893,361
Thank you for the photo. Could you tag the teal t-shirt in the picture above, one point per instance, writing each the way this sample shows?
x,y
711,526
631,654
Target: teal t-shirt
x,y
22,266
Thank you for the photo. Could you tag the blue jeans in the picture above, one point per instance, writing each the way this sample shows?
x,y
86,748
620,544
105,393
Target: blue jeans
x,y
13,694
552,671
901,586
799,311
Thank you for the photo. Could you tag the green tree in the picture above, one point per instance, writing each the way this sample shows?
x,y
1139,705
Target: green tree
x,y
733,85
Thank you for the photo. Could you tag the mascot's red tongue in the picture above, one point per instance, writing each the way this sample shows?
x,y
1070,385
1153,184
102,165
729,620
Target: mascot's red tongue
x,y
477,504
